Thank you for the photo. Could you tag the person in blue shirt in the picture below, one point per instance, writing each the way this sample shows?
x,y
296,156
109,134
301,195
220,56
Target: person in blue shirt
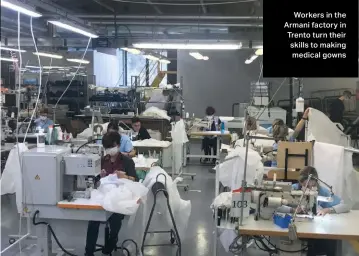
x,y
336,206
43,121
126,147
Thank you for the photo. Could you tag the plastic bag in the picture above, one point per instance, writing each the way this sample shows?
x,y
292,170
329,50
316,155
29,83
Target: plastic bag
x,y
11,179
125,198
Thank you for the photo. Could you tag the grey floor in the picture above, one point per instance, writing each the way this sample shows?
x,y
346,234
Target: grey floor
x,y
198,241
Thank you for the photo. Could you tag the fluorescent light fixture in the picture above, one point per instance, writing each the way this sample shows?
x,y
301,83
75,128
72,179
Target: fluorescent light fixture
x,y
79,61
37,67
196,55
49,55
151,57
51,67
251,59
188,46
20,7
164,61
131,50
205,58
68,26
11,49
259,52
8,59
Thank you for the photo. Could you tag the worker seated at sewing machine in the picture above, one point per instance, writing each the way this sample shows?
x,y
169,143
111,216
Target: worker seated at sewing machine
x,y
114,162
210,142
279,132
331,204
43,122
126,147
139,132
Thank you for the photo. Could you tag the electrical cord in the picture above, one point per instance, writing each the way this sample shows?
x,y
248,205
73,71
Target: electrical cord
x,y
52,232
85,145
274,249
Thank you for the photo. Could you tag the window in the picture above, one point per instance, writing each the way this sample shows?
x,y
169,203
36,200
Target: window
x,y
108,69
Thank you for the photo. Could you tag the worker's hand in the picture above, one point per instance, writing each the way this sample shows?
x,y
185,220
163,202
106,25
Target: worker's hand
x,y
103,173
323,212
121,174
306,113
300,210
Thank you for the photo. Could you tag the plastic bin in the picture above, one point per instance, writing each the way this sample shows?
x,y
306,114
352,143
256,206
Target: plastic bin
x,y
282,221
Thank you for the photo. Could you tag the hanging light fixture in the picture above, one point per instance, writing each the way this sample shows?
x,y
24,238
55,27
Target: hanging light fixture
x,y
8,59
251,59
131,50
79,61
20,7
49,55
259,52
213,46
196,55
151,57
11,49
72,27
165,61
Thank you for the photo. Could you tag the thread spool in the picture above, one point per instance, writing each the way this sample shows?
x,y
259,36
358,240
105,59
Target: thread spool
x,y
274,202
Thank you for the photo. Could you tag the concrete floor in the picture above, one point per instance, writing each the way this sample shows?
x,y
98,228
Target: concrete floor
x,y
198,241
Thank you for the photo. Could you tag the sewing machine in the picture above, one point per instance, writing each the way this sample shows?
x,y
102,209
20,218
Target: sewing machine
x,y
53,174
270,195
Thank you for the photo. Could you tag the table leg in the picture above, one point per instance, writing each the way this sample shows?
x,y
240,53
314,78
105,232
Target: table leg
x,y
44,243
338,247
245,240
185,154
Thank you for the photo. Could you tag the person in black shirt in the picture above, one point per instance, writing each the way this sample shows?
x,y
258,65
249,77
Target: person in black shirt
x,y
336,109
140,132
211,142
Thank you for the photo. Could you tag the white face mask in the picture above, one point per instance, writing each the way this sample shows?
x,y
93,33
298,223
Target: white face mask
x,y
111,151
209,117
43,118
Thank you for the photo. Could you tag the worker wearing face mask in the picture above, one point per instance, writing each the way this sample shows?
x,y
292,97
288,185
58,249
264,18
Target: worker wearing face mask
x,y
126,147
114,162
336,109
335,206
43,121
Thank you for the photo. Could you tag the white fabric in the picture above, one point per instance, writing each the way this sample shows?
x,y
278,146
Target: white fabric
x,y
156,112
179,137
119,195
151,143
11,179
232,169
329,162
322,129
157,100
222,200
88,132
335,166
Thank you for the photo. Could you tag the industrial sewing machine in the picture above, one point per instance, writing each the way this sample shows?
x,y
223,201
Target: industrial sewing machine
x,y
53,174
271,195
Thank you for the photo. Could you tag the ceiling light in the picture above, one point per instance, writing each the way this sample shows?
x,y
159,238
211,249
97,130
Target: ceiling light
x,y
11,49
259,52
51,67
188,46
151,57
68,26
79,61
131,50
32,67
164,61
49,55
196,55
9,59
251,59
205,58
20,7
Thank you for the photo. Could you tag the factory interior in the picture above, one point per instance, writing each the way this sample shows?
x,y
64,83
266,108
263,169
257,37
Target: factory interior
x,y
147,128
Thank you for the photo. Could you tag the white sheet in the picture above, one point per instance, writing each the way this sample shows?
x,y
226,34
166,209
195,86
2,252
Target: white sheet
x,y
322,129
151,143
11,179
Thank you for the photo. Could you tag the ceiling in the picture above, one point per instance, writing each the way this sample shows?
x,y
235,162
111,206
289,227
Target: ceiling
x,y
126,21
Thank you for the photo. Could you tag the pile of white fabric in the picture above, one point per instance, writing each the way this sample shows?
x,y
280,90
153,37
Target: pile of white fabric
x,y
151,143
232,169
156,112
88,132
119,195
